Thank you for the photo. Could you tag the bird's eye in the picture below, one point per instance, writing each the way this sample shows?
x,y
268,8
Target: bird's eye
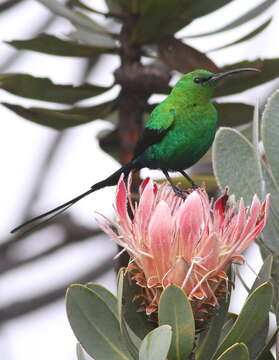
x,y
198,80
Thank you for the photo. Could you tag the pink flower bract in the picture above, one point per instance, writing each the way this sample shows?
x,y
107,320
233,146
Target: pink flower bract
x,y
189,243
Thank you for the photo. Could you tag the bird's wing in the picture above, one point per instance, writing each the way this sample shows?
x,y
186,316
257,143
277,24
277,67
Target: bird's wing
x,y
157,126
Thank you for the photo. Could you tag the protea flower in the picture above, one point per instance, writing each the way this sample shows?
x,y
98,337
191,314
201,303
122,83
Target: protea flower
x,y
190,243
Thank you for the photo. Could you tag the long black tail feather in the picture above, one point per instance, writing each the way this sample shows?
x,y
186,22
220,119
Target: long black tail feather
x,y
109,181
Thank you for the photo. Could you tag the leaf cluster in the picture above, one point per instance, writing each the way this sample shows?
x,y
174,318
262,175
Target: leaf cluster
x,y
136,29
109,327
249,168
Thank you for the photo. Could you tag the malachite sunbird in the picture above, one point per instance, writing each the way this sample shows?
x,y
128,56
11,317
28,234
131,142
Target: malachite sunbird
x,y
178,132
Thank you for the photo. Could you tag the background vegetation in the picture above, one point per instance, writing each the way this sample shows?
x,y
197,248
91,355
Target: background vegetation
x,y
146,40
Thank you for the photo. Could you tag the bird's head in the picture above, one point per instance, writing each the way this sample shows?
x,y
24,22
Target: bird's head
x,y
201,83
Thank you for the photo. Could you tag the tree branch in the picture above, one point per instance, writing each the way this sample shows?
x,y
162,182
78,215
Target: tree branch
x,y
24,307
74,233
8,4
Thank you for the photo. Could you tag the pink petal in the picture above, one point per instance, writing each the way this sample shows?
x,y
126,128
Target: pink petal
x,y
208,226
258,228
145,206
209,252
220,207
254,214
191,224
240,221
121,204
143,184
160,235
178,272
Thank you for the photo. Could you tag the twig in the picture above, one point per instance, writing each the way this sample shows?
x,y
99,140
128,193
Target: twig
x,y
8,4
24,307
74,233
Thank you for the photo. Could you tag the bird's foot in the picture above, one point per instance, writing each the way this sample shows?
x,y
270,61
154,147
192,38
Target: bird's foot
x,y
194,185
188,191
180,193
191,181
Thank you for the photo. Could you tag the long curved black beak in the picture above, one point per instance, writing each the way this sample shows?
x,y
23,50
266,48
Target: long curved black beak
x,y
220,76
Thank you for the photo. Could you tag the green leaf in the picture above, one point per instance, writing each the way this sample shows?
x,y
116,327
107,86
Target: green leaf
x,y
94,325
250,15
264,274
184,58
130,338
236,164
243,282
107,296
131,341
249,36
205,7
270,131
233,114
109,141
267,356
132,6
251,318
208,346
270,233
239,83
113,6
271,229
247,131
237,351
80,353
175,310
265,353
120,284
275,282
271,187
76,18
81,5
271,170
44,89
138,322
133,337
52,45
256,346
63,119
86,36
230,320
256,138
156,344
80,21
162,18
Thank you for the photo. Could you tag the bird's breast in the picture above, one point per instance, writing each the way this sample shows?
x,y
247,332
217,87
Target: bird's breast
x,y
187,141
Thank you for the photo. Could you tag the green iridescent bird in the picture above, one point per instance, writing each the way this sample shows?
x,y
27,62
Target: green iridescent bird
x,y
178,132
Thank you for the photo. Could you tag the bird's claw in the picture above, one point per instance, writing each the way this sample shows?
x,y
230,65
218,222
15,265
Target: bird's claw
x,y
184,193
181,193
194,185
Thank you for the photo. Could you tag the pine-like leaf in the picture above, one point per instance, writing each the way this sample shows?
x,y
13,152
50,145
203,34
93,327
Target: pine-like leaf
x,y
45,90
63,119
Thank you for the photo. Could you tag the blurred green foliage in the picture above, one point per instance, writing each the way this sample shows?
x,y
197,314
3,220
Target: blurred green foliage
x,y
136,30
